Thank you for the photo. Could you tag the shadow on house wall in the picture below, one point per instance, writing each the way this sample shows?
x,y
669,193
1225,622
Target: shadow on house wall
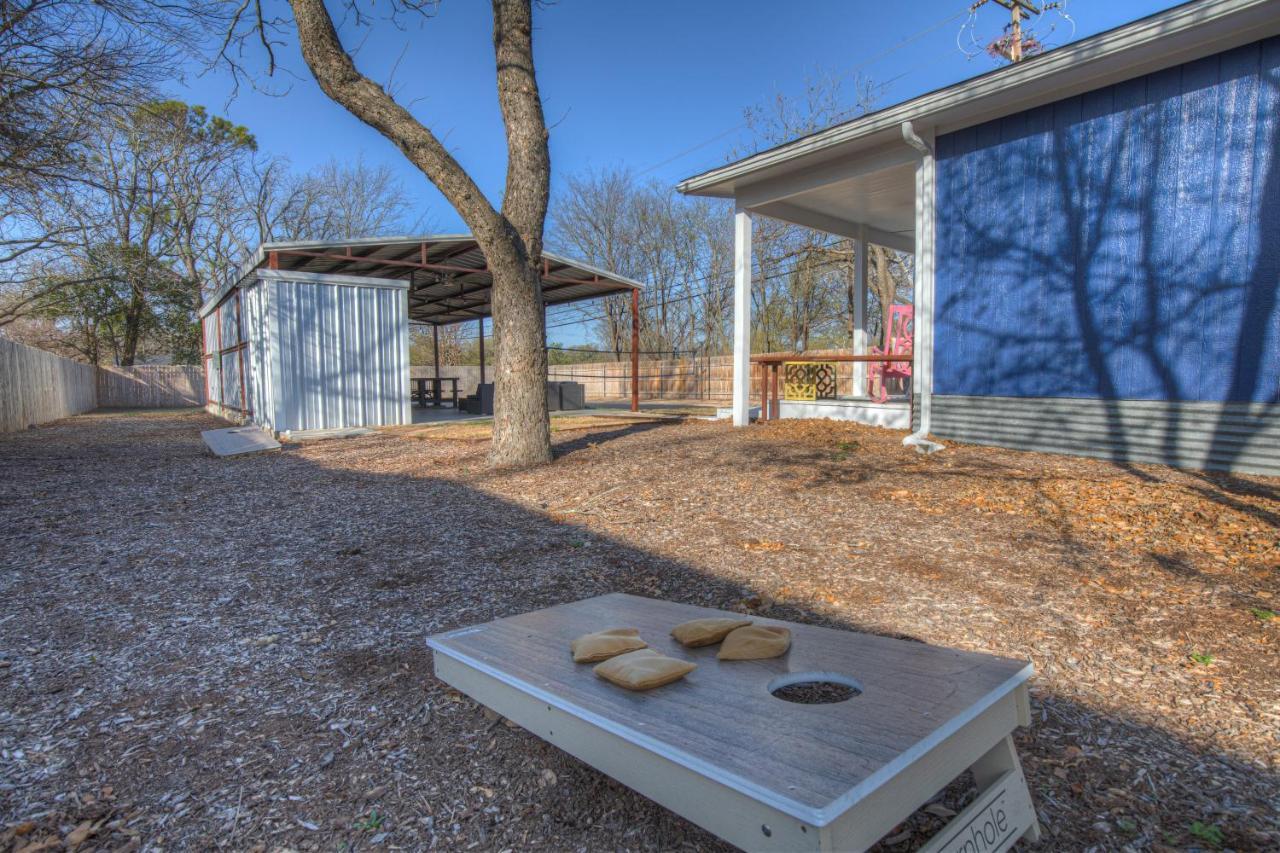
x,y
1121,245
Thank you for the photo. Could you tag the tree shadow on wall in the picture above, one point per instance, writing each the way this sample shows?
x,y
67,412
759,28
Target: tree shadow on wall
x,y
1121,246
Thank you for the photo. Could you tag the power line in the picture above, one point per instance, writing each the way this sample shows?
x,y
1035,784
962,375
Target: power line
x,y
577,320
840,116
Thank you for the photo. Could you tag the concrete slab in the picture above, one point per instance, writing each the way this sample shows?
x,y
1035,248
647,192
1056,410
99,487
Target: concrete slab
x,y
322,434
237,440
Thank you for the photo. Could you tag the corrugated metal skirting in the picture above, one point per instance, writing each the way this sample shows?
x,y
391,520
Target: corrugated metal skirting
x,y
1242,437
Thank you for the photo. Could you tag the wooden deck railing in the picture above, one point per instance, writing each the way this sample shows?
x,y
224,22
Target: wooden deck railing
x,y
770,363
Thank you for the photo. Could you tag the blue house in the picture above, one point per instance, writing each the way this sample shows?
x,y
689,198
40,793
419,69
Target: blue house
x,y
1096,233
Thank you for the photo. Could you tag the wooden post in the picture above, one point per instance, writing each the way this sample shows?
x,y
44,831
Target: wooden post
x,y
481,324
435,347
776,409
273,260
764,392
635,350
860,311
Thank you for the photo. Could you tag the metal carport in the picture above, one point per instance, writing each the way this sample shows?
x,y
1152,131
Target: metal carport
x,y
445,280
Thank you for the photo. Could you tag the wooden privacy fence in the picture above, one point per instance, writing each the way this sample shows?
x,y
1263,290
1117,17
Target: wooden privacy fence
x,y
151,386
38,386
694,378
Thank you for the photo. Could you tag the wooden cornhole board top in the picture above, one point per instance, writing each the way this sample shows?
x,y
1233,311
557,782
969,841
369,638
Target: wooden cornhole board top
x,y
813,762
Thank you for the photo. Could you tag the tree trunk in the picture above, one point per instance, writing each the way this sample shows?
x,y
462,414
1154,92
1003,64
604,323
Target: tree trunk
x,y
511,239
132,328
884,287
521,434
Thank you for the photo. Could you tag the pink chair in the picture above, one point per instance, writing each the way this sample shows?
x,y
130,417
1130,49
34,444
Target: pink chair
x,y
901,329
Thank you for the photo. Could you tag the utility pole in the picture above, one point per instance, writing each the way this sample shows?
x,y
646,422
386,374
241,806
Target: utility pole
x,y
1018,9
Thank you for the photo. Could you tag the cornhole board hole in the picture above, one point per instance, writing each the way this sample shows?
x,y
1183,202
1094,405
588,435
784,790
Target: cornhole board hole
x,y
719,749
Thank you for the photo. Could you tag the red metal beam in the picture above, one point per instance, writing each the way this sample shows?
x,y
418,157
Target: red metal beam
x,y
390,262
635,350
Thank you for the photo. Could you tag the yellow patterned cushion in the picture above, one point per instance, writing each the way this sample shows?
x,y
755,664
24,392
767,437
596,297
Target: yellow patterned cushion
x,y
602,645
755,642
643,670
706,632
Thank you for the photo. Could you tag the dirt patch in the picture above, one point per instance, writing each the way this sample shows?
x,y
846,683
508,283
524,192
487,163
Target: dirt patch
x,y
199,652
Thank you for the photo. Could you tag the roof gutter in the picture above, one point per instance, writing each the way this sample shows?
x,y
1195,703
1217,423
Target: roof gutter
x,y
925,216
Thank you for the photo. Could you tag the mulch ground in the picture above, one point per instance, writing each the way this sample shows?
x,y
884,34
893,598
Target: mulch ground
x,y
200,652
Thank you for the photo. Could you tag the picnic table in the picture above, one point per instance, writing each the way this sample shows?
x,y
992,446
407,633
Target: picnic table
x,y
718,748
435,389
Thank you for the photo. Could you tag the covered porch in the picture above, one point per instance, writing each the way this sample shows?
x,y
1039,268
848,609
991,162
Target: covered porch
x,y
878,190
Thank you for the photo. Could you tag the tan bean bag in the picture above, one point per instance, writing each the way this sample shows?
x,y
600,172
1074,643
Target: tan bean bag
x,y
603,645
706,632
643,670
755,642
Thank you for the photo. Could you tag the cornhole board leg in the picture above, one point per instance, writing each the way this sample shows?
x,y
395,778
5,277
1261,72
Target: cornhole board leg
x,y
911,786
747,819
998,819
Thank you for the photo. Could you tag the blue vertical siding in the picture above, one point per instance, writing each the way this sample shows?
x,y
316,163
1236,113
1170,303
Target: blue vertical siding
x,y
1123,244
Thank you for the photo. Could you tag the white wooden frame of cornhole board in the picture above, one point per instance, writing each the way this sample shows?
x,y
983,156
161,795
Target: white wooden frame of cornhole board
x,y
762,773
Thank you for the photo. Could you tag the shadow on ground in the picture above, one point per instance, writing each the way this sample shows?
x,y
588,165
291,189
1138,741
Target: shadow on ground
x,y
203,652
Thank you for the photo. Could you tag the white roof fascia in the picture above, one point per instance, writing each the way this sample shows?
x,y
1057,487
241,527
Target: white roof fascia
x,y
331,278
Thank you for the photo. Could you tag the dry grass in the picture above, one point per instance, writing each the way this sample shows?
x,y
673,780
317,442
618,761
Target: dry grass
x,y
198,652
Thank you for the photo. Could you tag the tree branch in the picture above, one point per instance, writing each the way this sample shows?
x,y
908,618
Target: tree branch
x,y
338,76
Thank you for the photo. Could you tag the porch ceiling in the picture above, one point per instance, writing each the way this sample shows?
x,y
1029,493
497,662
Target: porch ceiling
x,y
884,200
881,200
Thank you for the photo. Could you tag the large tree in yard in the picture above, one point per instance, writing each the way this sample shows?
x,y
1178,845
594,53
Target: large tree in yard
x,y
510,237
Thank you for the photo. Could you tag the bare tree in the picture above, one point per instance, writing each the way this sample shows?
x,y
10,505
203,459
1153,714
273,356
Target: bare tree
x,y
335,201
648,232
66,67
511,236
593,221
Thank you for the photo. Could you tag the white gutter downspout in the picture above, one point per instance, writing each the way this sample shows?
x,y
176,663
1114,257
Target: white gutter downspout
x,y
922,375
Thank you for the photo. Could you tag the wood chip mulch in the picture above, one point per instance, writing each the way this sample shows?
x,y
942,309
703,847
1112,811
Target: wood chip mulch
x,y
208,653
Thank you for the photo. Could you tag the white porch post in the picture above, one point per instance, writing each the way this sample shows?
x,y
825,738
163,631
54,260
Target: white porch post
x,y
860,311
923,374
741,317
926,216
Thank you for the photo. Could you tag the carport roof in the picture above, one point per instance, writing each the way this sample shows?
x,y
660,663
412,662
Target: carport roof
x,y
449,280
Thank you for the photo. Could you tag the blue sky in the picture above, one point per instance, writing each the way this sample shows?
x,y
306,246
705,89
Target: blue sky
x,y
658,87
635,84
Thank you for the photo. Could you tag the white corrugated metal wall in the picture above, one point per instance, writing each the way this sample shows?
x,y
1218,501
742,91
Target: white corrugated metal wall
x,y
254,300
339,350
320,351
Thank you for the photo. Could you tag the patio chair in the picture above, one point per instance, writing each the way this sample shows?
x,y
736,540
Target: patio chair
x,y
899,340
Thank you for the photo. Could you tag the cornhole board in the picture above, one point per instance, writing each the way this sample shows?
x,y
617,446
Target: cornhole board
x,y
762,773
233,441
